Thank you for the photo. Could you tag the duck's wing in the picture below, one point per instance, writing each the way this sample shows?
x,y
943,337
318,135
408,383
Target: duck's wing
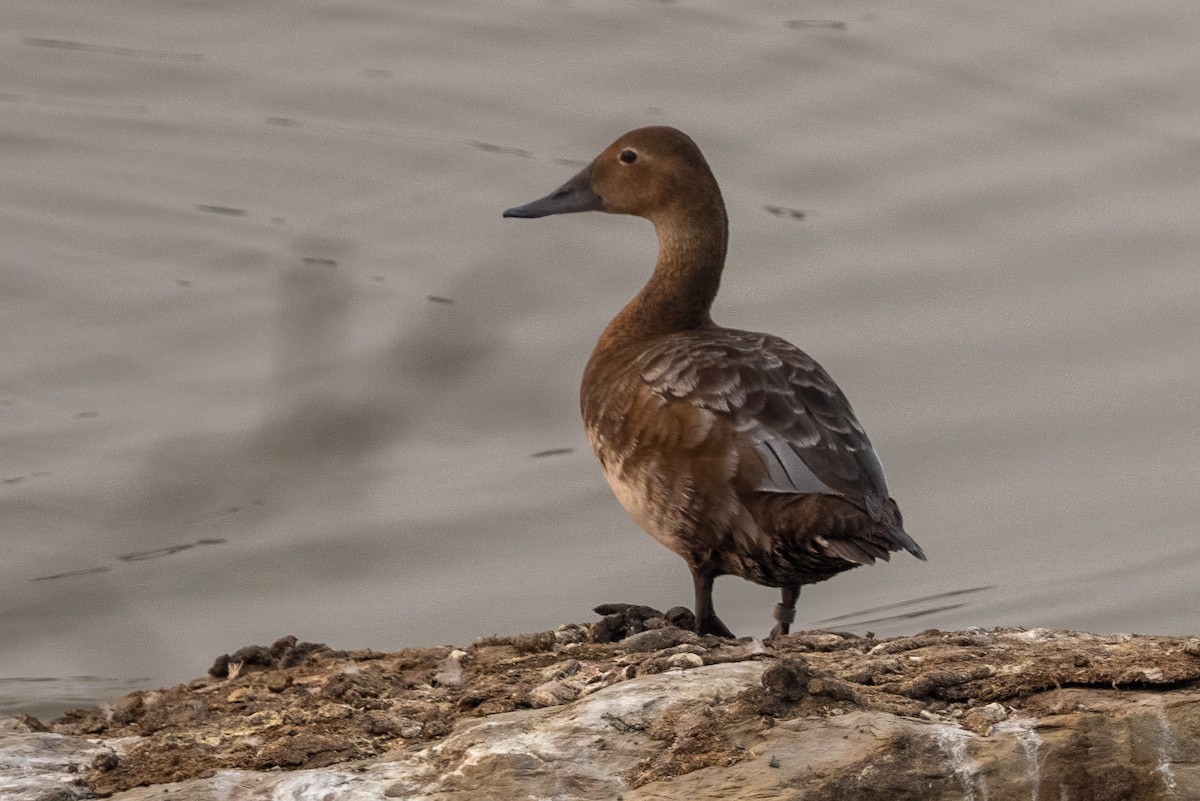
x,y
779,399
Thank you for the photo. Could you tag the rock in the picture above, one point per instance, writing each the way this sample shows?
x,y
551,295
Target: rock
x,y
241,693
450,669
685,660
40,766
571,633
553,693
681,617
787,679
658,639
561,670
1005,714
622,620
284,652
980,719
22,722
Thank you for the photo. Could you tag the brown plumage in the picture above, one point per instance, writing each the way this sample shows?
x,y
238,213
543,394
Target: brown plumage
x,y
736,450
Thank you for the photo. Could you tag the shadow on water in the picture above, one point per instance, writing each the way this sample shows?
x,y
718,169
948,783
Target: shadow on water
x,y
135,556
858,618
331,410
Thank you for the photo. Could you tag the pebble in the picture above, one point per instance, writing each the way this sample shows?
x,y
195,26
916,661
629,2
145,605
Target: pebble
x,y
553,693
572,634
685,660
981,718
562,670
658,639
450,670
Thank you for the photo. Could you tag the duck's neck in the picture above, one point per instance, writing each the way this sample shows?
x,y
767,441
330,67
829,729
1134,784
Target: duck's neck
x,y
692,240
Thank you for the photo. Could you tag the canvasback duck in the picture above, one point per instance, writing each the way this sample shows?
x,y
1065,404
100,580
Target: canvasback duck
x,y
736,450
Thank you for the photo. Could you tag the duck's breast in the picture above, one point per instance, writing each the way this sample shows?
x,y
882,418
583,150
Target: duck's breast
x,y
678,469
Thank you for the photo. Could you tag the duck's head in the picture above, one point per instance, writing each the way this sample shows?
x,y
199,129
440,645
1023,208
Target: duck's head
x,y
646,172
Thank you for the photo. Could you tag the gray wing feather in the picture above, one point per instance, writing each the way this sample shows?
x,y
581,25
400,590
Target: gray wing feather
x,y
779,399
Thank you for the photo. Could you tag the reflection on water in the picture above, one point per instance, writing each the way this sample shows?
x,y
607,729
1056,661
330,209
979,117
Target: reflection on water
x,y
256,293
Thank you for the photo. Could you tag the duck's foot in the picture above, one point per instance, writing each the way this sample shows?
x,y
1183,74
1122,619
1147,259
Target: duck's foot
x,y
713,625
707,621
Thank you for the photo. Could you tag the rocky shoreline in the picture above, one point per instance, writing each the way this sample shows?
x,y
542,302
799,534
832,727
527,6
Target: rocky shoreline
x,y
635,707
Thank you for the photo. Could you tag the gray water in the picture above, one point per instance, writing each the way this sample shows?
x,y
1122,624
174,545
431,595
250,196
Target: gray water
x,y
273,363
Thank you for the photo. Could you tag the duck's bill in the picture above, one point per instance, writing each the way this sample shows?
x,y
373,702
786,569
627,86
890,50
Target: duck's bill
x,y
575,195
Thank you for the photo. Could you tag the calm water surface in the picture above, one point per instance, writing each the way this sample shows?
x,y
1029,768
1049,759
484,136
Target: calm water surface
x,y
274,364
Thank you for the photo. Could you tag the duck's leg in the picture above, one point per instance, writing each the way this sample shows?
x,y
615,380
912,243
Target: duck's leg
x,y
707,621
785,611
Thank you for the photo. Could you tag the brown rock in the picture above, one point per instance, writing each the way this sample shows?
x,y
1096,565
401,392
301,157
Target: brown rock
x,y
657,639
1088,716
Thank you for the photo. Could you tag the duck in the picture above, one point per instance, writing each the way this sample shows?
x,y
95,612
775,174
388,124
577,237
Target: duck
x,y
734,449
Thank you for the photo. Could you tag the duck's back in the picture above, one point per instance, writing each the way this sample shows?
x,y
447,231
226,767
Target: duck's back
x,y
738,447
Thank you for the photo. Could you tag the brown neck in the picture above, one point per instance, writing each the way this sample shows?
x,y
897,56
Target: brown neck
x,y
692,239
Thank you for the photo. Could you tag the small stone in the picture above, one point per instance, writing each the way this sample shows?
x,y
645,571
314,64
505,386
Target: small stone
x,y
774,763
26,723
240,694
819,642
609,628
657,639
571,634
283,645
788,679
392,726
562,670
106,761
553,693
994,712
681,617
450,669
685,661
619,674
279,683
684,648
980,719
128,709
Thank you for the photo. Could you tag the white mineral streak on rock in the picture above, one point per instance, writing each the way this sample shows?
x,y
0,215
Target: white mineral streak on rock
x,y
953,742
1166,748
1023,729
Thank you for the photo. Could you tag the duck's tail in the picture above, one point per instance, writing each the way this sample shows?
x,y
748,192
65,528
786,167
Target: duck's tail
x,y
895,530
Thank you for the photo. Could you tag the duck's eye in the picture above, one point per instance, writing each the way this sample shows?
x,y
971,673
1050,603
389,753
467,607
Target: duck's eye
x,y
628,156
